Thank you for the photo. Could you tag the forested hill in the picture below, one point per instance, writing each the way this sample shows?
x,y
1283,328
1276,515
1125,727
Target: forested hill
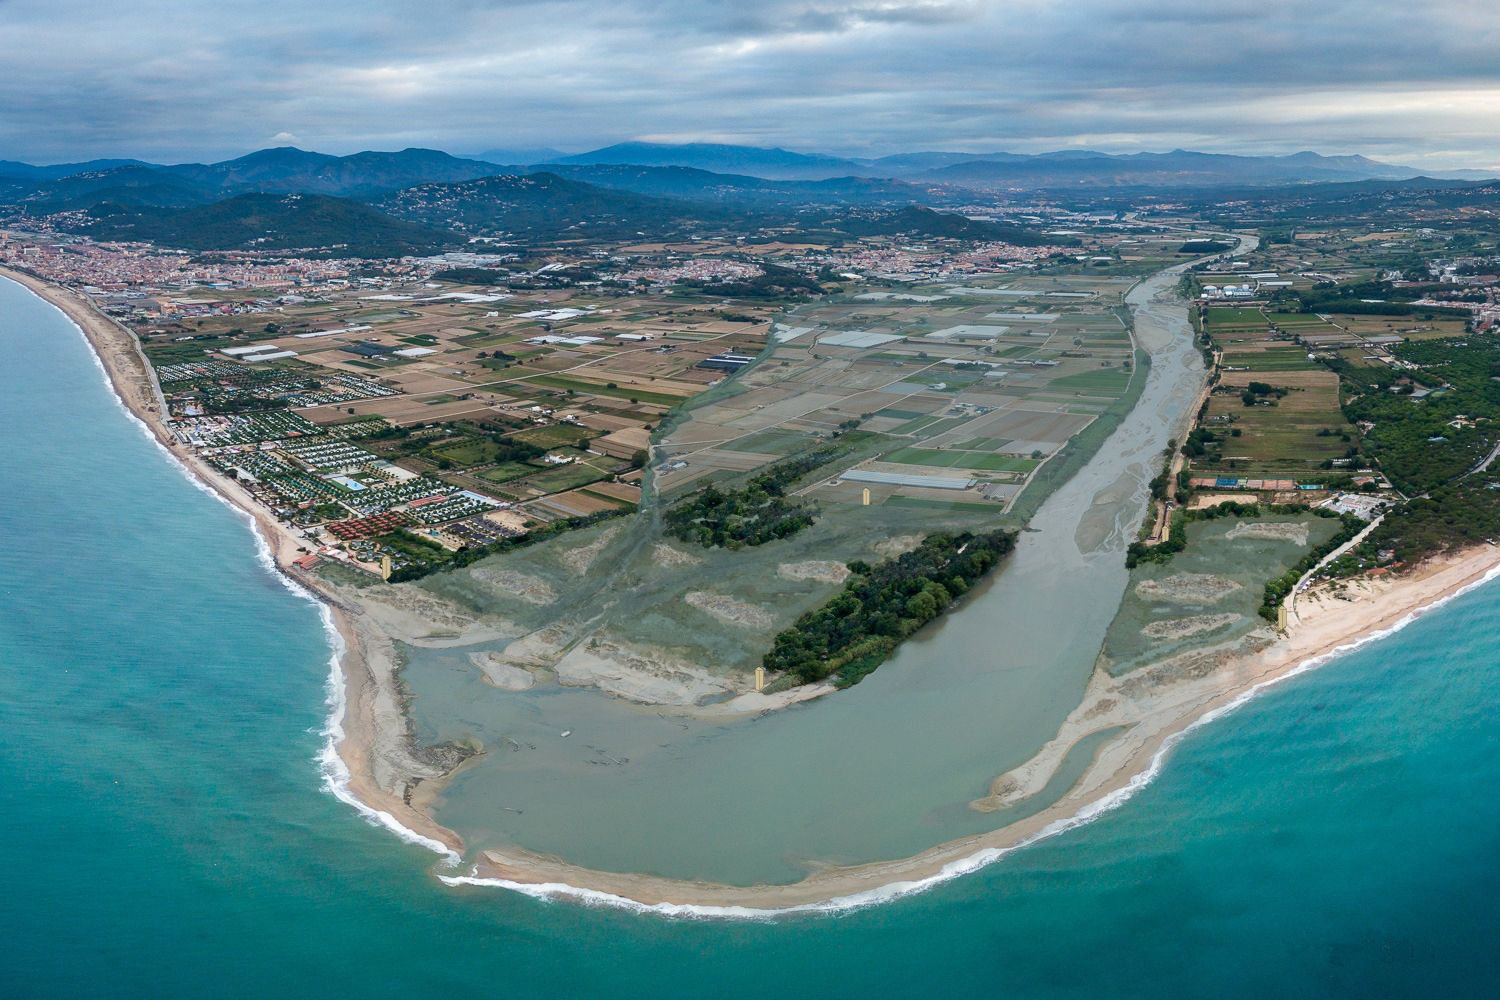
x,y
313,223
547,204
916,220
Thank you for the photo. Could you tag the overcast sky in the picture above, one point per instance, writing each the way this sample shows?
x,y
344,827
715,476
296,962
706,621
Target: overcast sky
x,y
1407,81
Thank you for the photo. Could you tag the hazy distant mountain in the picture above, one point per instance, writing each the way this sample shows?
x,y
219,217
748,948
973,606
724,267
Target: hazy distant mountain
x,y
774,164
288,169
421,196
316,223
917,221
12,168
520,156
703,185
1061,168
904,164
1179,168
133,186
707,172
546,204
1372,199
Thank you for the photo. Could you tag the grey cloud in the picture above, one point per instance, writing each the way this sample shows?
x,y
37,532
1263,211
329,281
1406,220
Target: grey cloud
x,y
171,79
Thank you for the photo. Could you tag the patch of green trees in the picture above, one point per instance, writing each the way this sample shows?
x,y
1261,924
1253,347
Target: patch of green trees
x,y
757,513
854,633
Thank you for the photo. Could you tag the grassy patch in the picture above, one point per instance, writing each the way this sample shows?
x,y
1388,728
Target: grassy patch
x,y
555,436
951,505
566,477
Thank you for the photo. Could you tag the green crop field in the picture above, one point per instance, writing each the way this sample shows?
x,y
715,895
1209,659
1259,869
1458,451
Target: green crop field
x,y
556,435
506,472
1106,381
1296,319
929,426
983,444
465,452
566,477
774,441
1278,360
1229,316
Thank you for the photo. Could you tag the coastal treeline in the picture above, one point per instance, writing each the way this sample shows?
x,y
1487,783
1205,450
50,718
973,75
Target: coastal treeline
x,y
880,605
1432,446
757,513
1424,441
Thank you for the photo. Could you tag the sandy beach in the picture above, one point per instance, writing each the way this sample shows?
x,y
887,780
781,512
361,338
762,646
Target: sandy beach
x,y
1147,709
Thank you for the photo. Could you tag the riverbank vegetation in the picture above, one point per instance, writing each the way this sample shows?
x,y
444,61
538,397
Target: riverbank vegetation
x,y
854,633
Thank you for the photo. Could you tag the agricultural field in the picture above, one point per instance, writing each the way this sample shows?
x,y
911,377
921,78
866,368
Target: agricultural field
x,y
468,416
1275,412
955,392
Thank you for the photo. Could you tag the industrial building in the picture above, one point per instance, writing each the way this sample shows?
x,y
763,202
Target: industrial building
x,y
726,362
907,479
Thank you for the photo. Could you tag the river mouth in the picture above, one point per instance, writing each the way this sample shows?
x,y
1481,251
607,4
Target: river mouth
x,y
884,770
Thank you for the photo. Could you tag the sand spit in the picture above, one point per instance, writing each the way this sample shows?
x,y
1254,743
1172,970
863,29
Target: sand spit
x,y
729,610
578,560
645,674
500,673
671,555
817,570
897,545
1283,531
411,615
521,586
1182,628
1187,588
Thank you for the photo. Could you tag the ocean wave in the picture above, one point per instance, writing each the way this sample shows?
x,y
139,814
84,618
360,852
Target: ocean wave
x,y
335,772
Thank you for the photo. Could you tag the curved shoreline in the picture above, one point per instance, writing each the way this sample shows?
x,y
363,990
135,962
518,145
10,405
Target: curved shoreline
x,y
353,684
354,737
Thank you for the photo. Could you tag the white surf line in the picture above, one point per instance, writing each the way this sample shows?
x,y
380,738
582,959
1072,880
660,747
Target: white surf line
x,y
331,766
550,891
335,771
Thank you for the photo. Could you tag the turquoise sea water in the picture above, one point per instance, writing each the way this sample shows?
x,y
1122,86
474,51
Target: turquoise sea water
x,y
164,831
